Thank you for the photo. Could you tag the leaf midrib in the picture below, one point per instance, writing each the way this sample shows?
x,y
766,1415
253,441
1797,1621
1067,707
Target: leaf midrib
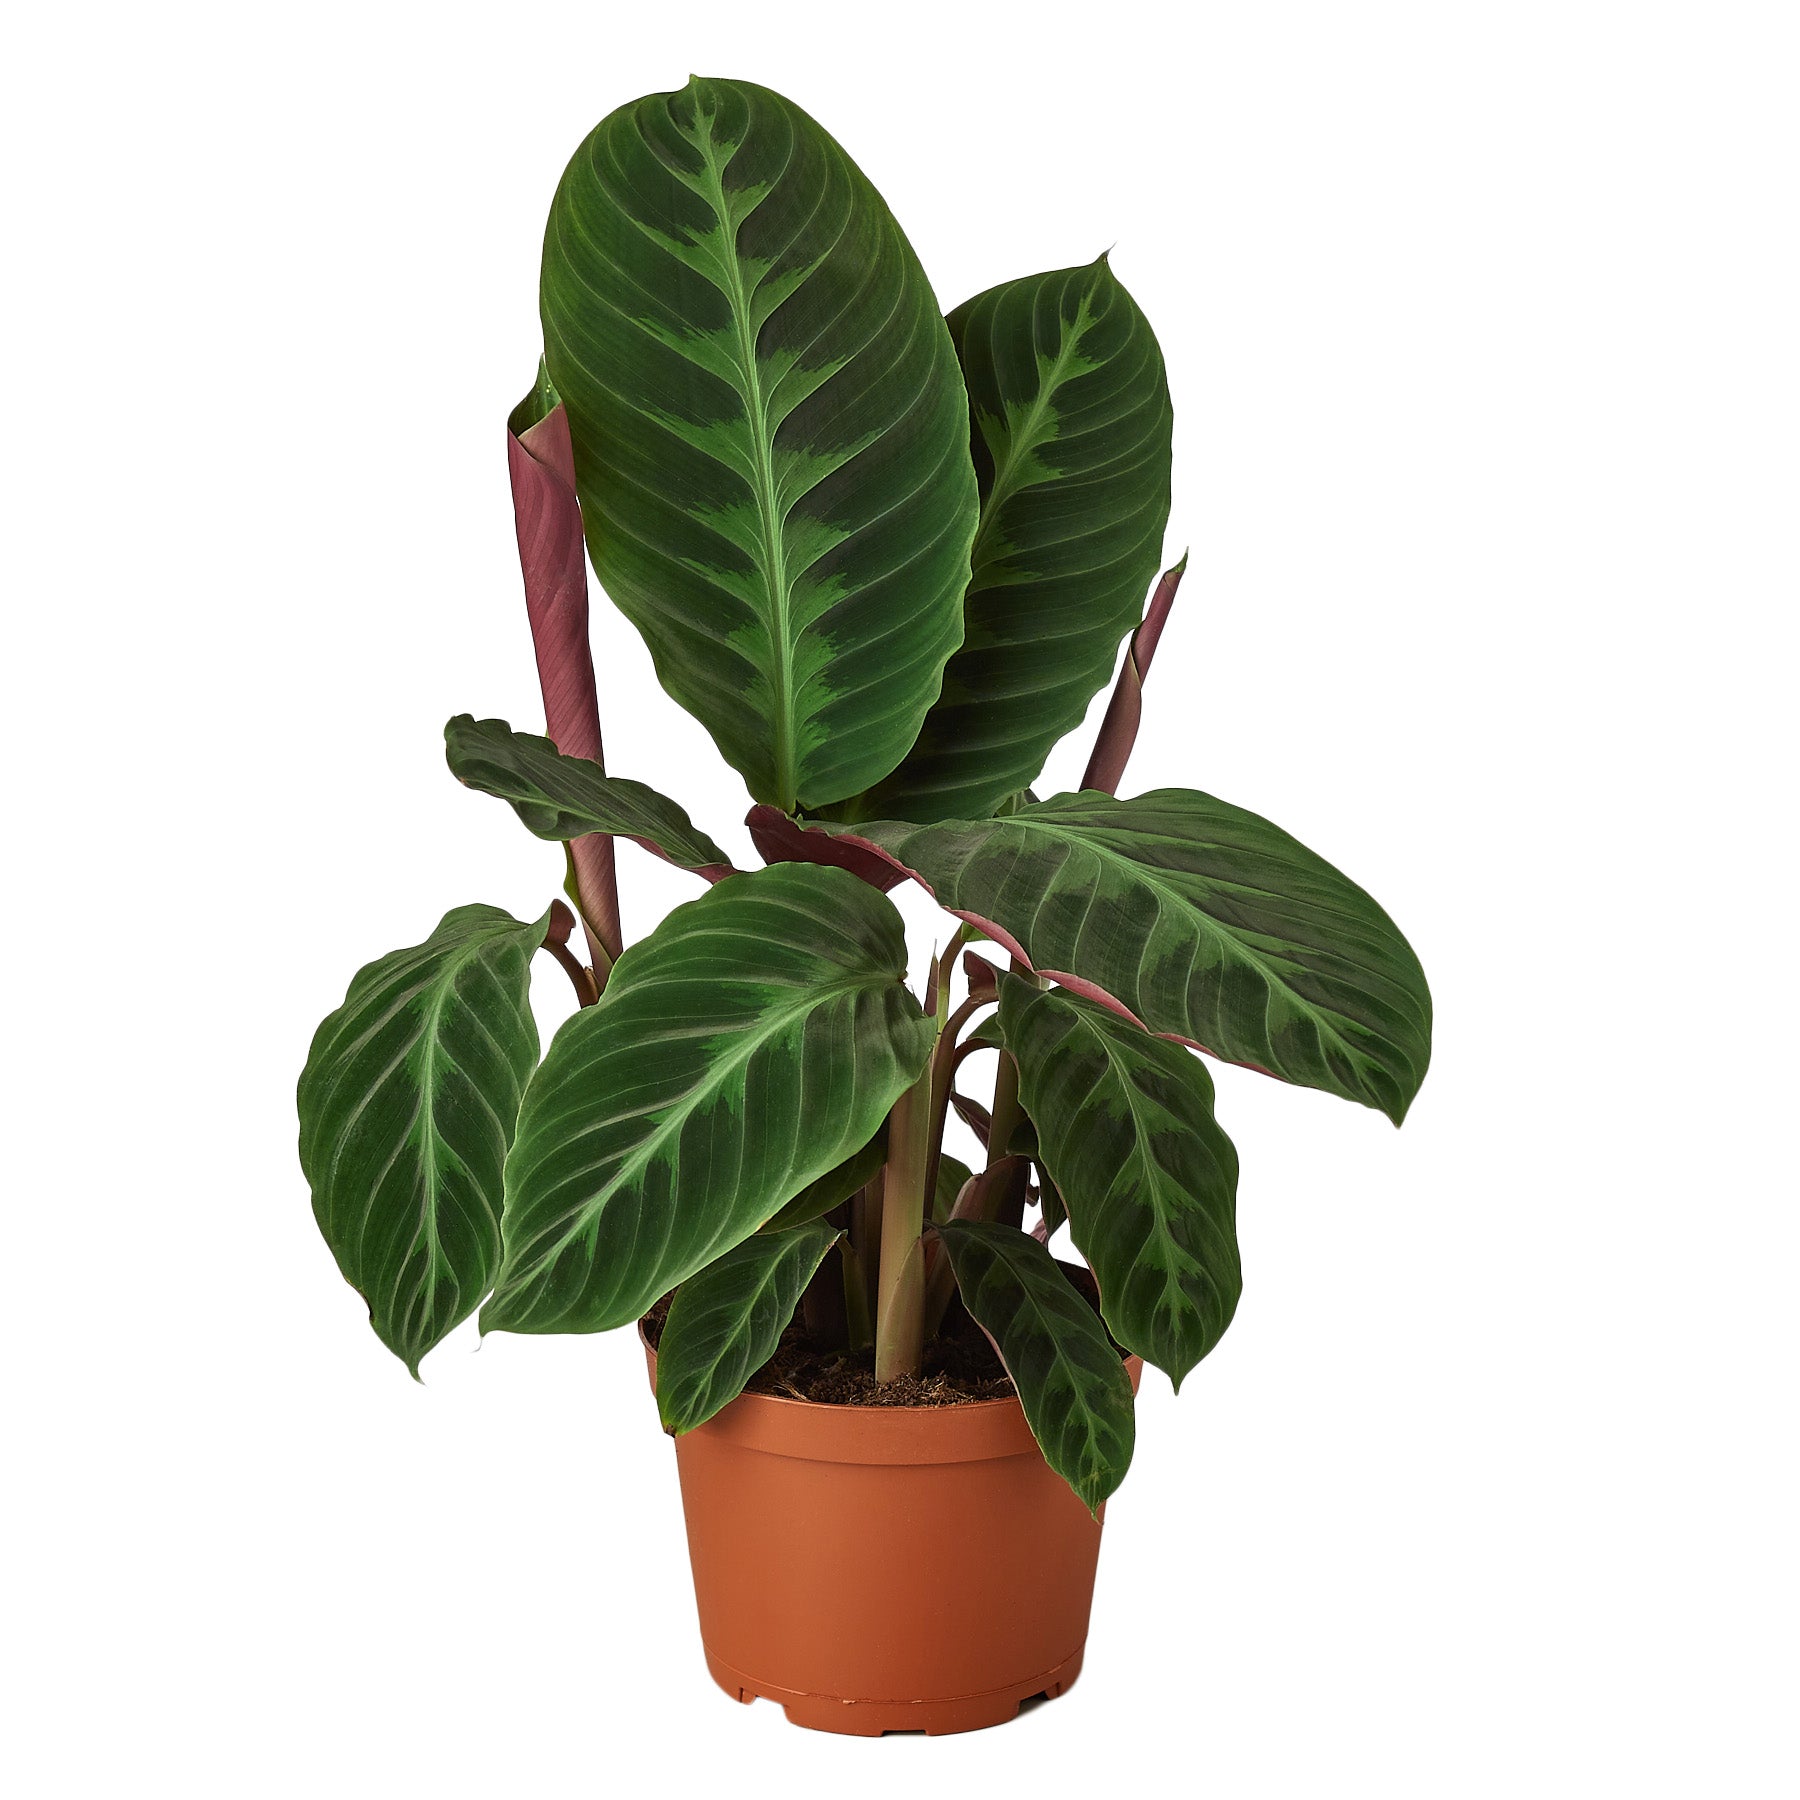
x,y
768,514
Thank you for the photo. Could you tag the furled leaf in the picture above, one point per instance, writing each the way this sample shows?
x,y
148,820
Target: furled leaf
x,y
1071,418
561,797
835,1186
1149,1181
1201,920
770,431
751,1043
1072,1385
952,1173
407,1106
725,1322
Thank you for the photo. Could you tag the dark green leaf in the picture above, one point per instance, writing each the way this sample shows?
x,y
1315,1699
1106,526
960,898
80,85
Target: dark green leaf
x,y
1071,438
750,1044
1076,1394
407,1106
561,797
725,1322
1201,920
835,1186
770,430
951,1175
1127,1132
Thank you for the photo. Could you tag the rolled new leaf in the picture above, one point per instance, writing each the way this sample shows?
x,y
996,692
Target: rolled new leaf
x,y
1071,428
407,1106
1125,710
754,1041
770,431
547,521
559,797
1148,1180
725,1322
1072,1385
1199,920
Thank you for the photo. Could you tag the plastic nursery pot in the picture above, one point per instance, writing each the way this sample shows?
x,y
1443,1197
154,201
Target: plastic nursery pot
x,y
904,1568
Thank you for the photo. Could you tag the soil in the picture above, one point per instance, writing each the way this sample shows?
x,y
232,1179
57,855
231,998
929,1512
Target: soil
x,y
959,1367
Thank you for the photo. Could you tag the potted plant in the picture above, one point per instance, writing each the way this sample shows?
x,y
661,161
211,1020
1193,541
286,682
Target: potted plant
x,y
887,559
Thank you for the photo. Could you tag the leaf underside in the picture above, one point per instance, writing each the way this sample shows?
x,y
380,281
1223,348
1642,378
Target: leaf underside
x,y
1072,1385
770,431
561,797
407,1106
746,1047
1203,921
1147,1178
1071,437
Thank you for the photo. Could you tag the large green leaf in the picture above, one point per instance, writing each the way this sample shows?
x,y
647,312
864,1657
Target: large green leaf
x,y
1148,1180
561,797
725,1322
770,430
751,1043
1071,440
1072,1385
407,1106
1201,920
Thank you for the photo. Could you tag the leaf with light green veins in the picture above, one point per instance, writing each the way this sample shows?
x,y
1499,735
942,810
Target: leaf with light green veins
x,y
1147,1178
407,1106
1201,920
1072,1385
750,1044
771,432
561,797
725,1322
1072,427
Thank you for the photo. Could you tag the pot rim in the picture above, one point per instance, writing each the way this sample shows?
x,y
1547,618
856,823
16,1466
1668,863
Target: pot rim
x,y
832,1431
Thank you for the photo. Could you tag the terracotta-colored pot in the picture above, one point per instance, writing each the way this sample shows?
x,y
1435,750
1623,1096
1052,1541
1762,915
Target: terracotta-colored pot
x,y
872,1568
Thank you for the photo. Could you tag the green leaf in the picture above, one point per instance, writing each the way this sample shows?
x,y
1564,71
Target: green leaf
x,y
835,1186
770,431
1200,920
1071,438
750,1044
561,797
725,1322
1149,1181
407,1106
1076,1394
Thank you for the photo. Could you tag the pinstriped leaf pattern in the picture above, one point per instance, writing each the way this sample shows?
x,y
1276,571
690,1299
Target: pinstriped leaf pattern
x,y
1146,1177
1071,439
1072,1385
1199,919
407,1106
560,797
770,431
749,1045
725,1322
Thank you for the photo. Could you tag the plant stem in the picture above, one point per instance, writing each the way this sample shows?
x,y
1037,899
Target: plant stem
x,y
900,1288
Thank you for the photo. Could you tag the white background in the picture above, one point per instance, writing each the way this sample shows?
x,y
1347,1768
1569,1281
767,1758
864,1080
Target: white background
x,y
1481,327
